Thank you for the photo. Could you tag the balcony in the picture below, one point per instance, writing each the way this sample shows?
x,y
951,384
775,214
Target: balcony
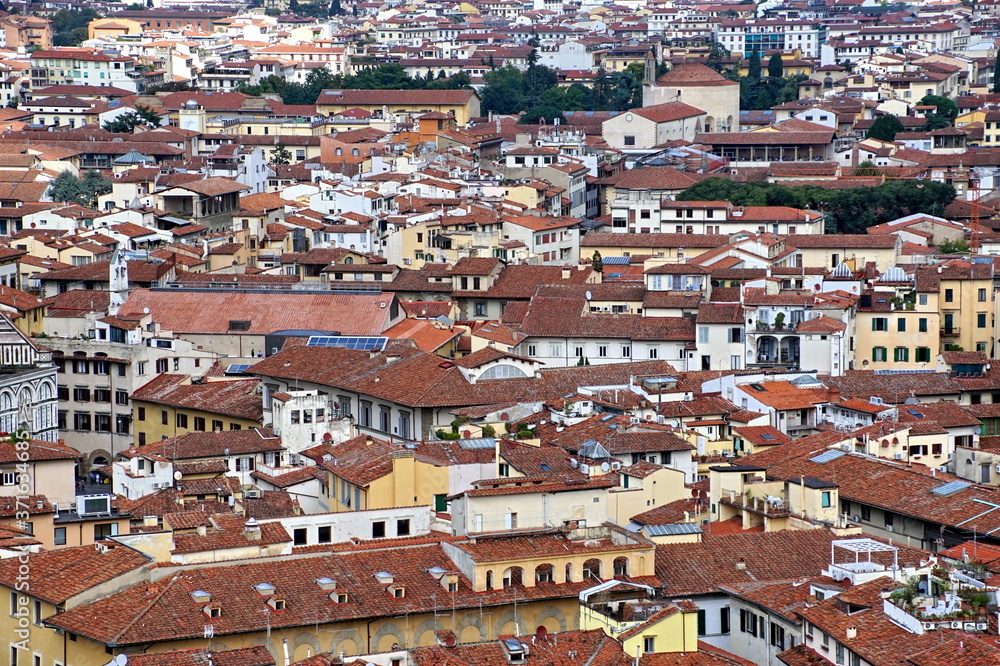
x,y
790,327
769,507
950,332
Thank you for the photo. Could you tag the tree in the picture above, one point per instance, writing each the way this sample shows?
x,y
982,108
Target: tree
x,y
597,263
65,187
954,247
143,116
84,191
945,106
532,58
867,169
885,128
850,210
753,68
336,9
776,66
92,185
996,75
280,155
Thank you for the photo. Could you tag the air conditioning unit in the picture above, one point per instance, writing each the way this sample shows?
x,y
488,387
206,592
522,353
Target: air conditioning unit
x,y
156,486
998,468
659,419
981,626
956,624
407,261
929,626
856,519
898,456
890,528
845,447
635,419
616,466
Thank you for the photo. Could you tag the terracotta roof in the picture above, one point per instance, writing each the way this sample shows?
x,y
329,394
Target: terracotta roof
x,y
237,398
694,75
57,576
197,311
248,656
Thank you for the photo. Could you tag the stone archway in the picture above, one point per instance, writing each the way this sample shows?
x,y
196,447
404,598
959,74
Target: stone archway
x,y
388,634
553,619
506,621
470,629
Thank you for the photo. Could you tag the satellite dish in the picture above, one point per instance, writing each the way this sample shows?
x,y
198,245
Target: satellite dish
x,y
536,409
694,493
177,477
145,310
121,660
588,295
605,467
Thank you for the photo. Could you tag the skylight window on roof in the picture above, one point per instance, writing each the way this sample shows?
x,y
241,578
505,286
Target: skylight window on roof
x,y
951,488
914,413
767,436
827,456
758,387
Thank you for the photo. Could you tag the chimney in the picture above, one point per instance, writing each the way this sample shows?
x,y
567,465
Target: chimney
x,y
252,530
833,395
566,272
202,530
852,633
741,564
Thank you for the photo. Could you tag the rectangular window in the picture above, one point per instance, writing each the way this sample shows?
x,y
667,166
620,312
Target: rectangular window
x,y
922,299
629,140
300,536
982,296
981,320
162,364
701,622
164,419
104,530
949,295
922,324
323,534
866,513
216,425
81,421
626,352
879,354
724,620
102,422
923,355
199,423
901,325
880,324
777,636
102,395
403,527
602,351
649,644
81,394
889,520
59,536
901,354
378,529
121,397
826,499
182,420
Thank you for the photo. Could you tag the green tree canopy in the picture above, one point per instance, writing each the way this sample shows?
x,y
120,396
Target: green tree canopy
x,y
753,69
946,107
850,210
775,66
885,128
83,190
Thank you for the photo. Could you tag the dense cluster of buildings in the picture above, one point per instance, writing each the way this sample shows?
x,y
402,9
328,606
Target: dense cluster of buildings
x,y
390,378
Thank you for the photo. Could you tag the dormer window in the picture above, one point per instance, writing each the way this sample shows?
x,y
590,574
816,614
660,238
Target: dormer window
x,y
398,592
213,611
276,604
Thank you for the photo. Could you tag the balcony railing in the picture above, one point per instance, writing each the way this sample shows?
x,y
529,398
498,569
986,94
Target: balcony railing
x,y
771,328
950,332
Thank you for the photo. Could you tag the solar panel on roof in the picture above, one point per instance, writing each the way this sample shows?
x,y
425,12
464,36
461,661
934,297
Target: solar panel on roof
x,y
767,435
673,530
615,261
951,488
237,368
366,343
477,443
827,456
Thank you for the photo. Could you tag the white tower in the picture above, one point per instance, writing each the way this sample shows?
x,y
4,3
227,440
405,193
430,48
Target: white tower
x,y
118,283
